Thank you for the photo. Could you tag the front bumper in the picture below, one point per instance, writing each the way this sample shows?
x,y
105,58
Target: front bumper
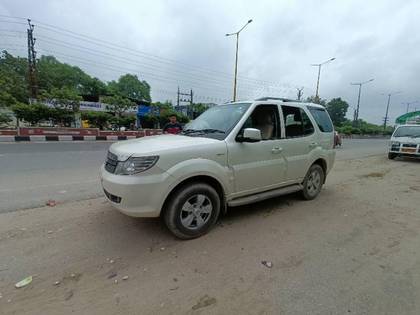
x,y
137,195
408,149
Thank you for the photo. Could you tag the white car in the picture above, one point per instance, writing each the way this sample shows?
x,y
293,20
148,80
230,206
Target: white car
x,y
405,141
231,155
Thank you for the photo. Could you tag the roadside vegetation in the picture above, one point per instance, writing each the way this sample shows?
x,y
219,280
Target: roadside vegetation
x,y
63,87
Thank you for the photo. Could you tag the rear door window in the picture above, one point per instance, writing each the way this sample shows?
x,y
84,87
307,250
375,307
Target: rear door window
x,y
322,119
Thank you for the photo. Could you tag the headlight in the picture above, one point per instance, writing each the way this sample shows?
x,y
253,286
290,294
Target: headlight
x,y
136,165
395,143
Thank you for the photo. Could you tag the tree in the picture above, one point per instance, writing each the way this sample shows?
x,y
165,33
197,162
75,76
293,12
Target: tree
x,y
337,108
64,98
4,118
33,113
13,78
316,100
131,87
97,119
117,104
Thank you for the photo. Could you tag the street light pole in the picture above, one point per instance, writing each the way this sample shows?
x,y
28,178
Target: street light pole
x,y
319,65
387,108
356,116
236,58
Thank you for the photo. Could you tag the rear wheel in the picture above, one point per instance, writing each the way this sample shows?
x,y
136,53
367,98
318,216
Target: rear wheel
x,y
392,156
192,210
313,182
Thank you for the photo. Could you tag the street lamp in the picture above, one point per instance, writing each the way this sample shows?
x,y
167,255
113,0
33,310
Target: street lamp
x,y
319,65
387,108
236,58
356,115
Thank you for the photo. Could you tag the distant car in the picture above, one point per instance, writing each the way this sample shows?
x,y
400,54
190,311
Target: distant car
x,y
231,155
405,141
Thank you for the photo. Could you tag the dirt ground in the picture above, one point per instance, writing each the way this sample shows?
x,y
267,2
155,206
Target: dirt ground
x,y
354,250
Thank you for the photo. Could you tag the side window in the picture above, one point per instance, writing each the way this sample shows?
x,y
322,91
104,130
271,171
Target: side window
x,y
322,119
266,119
293,121
308,128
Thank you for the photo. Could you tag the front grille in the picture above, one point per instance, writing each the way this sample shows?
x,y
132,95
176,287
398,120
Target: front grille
x,y
409,145
111,162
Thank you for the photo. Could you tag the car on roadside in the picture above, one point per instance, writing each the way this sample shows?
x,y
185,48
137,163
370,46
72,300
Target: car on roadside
x,y
405,141
231,155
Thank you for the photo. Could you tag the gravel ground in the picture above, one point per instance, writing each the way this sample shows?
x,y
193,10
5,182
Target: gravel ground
x,y
353,250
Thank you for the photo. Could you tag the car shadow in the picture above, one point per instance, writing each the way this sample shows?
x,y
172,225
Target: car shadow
x,y
265,207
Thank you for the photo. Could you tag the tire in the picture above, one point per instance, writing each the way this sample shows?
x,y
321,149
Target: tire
x,y
312,184
192,210
392,156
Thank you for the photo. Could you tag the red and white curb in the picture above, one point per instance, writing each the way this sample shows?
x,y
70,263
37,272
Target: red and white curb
x,y
63,138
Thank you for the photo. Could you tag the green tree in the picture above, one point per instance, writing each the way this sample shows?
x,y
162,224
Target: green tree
x,y
33,113
97,119
316,100
131,87
117,104
337,108
13,79
64,98
4,119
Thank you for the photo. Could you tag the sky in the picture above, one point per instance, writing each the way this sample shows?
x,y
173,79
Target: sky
x,y
183,43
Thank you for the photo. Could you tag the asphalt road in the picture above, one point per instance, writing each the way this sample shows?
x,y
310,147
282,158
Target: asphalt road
x,y
33,173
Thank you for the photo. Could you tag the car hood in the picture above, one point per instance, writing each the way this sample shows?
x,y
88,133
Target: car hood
x,y
155,145
406,140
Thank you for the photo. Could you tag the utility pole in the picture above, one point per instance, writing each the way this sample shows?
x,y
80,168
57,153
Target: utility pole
x,y
356,116
299,93
408,105
387,108
32,75
177,98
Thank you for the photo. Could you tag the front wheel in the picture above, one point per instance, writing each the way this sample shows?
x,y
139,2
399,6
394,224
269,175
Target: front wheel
x,y
313,182
192,210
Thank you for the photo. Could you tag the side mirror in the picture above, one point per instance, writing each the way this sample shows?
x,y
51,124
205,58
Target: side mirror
x,y
251,135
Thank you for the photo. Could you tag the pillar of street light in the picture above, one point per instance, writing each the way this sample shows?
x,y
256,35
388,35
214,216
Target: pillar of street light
x,y
236,58
387,108
356,115
319,65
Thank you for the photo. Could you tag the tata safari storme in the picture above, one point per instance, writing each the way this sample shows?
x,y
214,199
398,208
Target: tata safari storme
x,y
231,155
405,141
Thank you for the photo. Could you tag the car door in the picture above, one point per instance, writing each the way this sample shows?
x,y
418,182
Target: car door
x,y
258,166
299,140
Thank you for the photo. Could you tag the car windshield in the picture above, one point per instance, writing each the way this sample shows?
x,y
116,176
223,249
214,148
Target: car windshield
x,y
408,131
217,121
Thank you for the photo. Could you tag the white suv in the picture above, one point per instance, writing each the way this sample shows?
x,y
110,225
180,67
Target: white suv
x,y
231,155
405,141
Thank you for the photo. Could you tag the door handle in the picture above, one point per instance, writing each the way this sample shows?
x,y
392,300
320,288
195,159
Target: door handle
x,y
313,144
276,150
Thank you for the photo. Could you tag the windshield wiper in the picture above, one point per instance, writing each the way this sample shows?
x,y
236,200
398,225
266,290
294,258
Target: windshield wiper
x,y
209,130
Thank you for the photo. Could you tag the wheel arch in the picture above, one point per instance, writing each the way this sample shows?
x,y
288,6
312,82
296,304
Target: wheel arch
x,y
321,162
210,180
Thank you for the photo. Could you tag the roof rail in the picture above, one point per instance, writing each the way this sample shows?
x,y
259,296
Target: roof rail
x,y
268,98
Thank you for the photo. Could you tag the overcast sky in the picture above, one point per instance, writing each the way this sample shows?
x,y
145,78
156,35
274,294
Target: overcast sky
x,y
183,43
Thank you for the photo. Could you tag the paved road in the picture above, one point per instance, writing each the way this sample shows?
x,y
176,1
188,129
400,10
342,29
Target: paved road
x,y
33,173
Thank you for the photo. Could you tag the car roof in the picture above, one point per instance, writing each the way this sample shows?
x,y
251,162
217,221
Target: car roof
x,y
408,125
278,102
